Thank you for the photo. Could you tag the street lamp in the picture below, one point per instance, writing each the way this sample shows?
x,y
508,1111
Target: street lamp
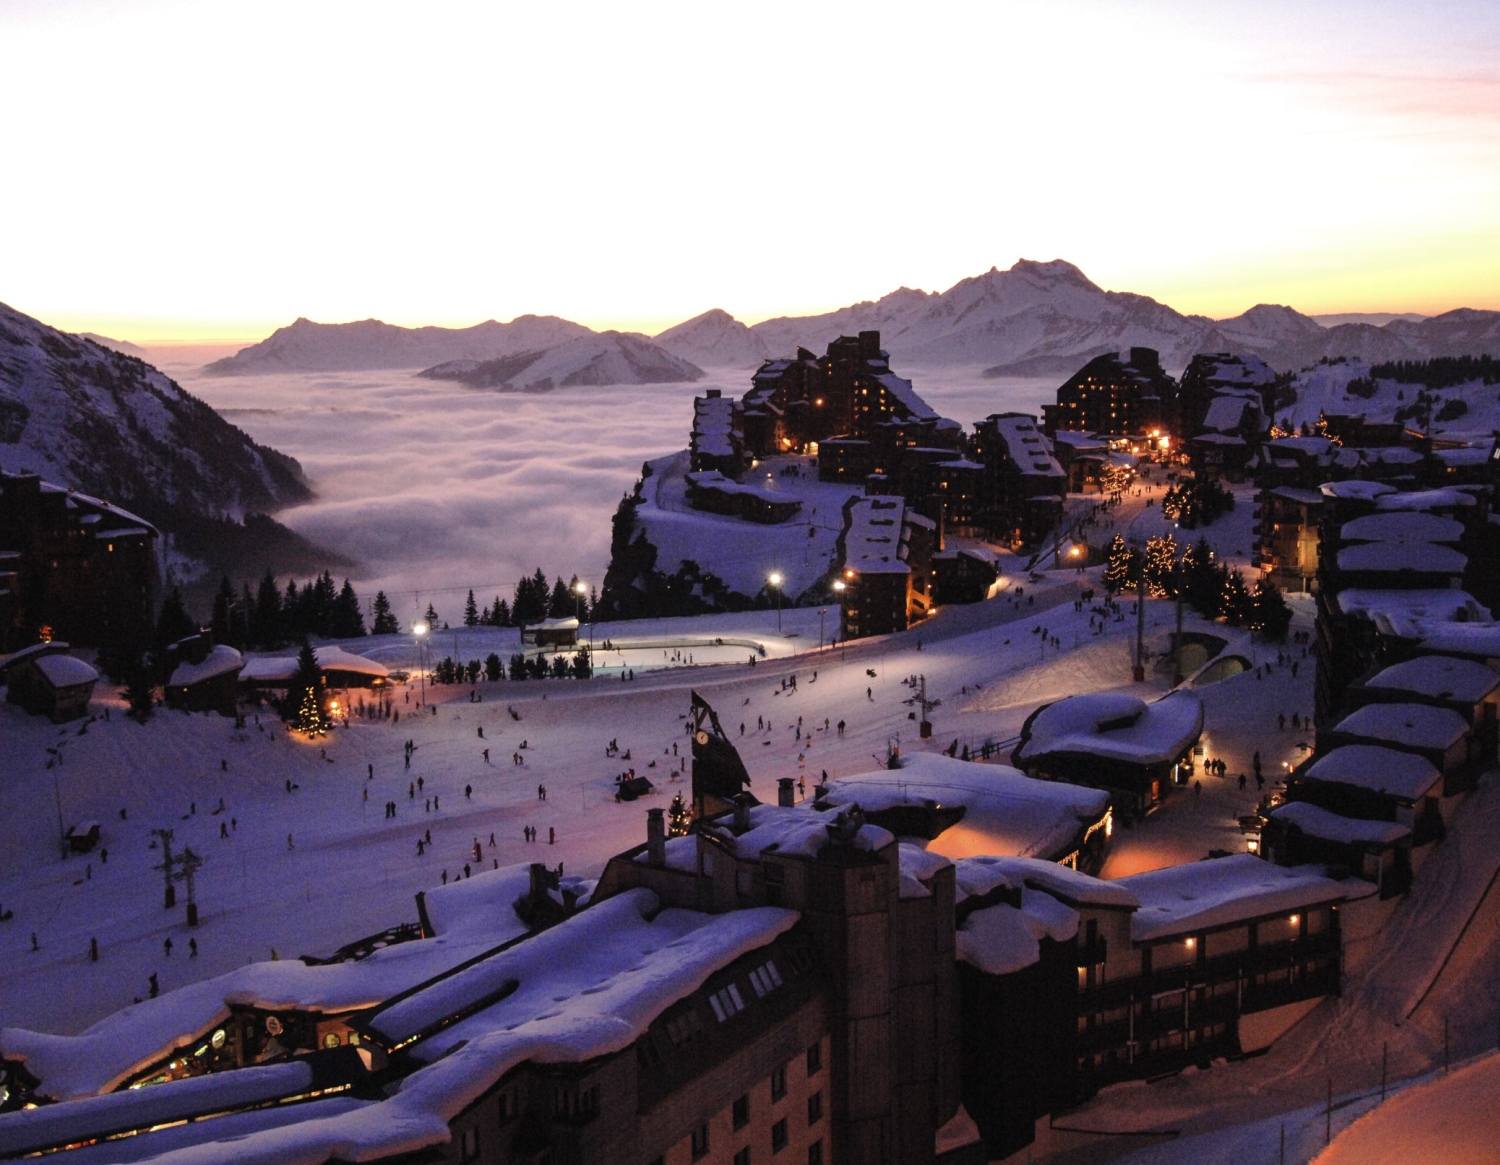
x,y
419,629
839,587
774,578
580,590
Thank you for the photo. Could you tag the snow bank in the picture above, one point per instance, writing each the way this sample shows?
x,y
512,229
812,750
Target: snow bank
x,y
980,875
1450,1118
1223,891
918,866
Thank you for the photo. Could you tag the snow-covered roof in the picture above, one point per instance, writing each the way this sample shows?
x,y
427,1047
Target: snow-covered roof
x,y
1225,413
1426,499
469,917
872,543
48,647
1414,725
1421,557
1026,445
1218,439
1182,900
65,671
1402,526
1079,440
1464,638
38,1128
76,500
1316,821
273,669
918,866
713,479
1001,939
798,829
1305,497
1469,455
1356,490
1307,445
568,623
1117,726
901,389
980,875
1005,811
217,662
1408,612
1438,676
1403,775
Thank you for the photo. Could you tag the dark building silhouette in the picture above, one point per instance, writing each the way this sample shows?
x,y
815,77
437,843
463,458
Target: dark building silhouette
x,y
1115,395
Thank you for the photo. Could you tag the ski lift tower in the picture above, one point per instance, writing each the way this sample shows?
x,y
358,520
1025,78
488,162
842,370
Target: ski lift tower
x,y
189,864
167,862
921,700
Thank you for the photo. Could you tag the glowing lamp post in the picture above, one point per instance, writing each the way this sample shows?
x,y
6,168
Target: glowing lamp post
x,y
839,587
419,629
580,590
775,579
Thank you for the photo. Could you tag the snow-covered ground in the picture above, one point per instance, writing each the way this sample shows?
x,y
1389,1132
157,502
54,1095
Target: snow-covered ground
x,y
308,870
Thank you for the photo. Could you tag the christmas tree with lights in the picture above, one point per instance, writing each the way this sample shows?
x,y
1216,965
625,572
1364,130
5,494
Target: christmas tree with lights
x,y
306,699
679,817
1120,566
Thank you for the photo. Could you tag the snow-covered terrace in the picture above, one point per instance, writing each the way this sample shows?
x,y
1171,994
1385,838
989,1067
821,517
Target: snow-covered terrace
x,y
1223,892
979,875
1118,726
1402,775
1001,939
1408,613
1402,526
1425,499
1418,557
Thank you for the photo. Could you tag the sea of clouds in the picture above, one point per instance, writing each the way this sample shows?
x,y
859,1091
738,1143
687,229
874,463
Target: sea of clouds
x,y
434,488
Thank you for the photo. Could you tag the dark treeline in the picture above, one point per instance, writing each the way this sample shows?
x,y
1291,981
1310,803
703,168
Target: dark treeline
x,y
532,602
1441,372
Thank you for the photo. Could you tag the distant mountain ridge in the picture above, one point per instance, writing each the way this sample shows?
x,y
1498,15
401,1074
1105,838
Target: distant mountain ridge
x,y
1035,319
593,359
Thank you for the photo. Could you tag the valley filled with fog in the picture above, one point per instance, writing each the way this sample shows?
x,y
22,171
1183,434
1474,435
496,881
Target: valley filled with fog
x,y
434,488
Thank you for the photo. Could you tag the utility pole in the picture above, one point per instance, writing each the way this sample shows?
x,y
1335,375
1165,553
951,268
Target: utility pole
x,y
167,862
1140,626
1177,676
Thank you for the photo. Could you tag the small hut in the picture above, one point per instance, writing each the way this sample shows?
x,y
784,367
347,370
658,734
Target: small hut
x,y
53,685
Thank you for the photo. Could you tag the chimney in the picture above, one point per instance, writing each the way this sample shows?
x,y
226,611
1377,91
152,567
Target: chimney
x,y
786,794
656,836
741,814
712,394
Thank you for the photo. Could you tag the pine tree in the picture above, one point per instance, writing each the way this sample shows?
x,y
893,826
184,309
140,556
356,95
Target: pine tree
x,y
385,622
1202,579
219,622
1161,567
242,619
431,617
347,621
499,614
530,603
518,668
494,670
1270,614
293,614
265,625
471,611
560,667
562,602
173,623
1121,563
1235,603
679,817
306,699
582,667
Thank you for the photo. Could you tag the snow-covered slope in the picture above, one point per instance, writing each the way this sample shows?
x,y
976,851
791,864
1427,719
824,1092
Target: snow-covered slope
x,y
305,346
1471,409
716,340
114,345
606,358
113,426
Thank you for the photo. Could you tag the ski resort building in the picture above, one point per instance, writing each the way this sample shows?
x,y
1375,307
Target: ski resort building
x,y
46,681
1023,487
1136,751
718,439
1118,394
203,676
72,567
884,567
